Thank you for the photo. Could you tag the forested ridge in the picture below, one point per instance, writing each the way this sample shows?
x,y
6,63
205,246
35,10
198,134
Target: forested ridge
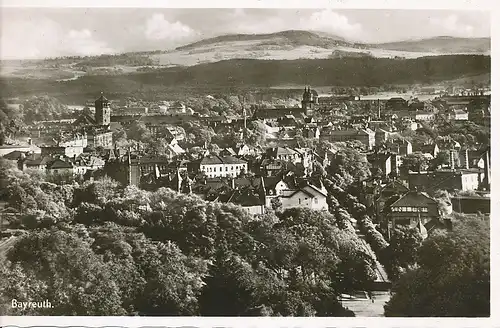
x,y
247,73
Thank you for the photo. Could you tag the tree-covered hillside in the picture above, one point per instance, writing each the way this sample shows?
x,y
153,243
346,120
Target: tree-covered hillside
x,y
246,73
98,248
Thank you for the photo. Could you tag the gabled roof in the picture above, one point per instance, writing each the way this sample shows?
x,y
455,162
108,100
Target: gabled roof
x,y
246,197
84,119
218,160
14,155
283,151
277,113
37,159
60,164
395,184
230,151
414,199
291,192
315,189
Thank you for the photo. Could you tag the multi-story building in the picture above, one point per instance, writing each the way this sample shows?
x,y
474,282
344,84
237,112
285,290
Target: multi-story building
x,y
221,166
308,196
69,151
412,210
102,139
423,116
365,136
382,161
458,115
447,179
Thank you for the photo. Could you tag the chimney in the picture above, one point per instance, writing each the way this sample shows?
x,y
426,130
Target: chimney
x,y
233,184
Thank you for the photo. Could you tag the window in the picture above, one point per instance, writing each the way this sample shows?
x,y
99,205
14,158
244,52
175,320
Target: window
x,y
315,200
221,169
414,209
226,168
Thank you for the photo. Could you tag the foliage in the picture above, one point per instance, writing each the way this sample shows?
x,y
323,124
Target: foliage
x,y
10,121
452,277
128,59
467,133
276,204
401,253
415,162
348,163
43,108
256,133
165,253
139,132
84,287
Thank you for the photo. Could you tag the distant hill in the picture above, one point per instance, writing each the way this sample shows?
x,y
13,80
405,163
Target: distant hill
x,y
284,38
441,44
296,44
285,45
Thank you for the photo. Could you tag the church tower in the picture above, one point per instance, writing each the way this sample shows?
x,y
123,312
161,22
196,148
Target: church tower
x,y
309,100
102,111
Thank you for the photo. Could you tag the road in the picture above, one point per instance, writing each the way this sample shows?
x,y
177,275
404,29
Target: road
x,y
365,308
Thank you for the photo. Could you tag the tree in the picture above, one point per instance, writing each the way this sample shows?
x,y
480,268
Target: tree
x,y
452,277
139,132
62,268
256,134
276,204
120,137
10,121
416,162
442,158
402,251
349,164
229,288
43,108
173,280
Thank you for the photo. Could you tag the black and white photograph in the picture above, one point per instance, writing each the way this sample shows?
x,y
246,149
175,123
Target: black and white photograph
x,y
245,162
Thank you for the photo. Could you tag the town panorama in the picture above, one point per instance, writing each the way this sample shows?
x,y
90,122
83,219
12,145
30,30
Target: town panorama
x,y
306,170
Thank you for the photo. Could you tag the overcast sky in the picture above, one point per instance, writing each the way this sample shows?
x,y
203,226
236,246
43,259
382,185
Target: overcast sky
x,y
48,32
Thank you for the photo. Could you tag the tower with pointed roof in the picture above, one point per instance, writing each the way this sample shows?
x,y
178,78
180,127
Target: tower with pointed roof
x,y
102,111
309,100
